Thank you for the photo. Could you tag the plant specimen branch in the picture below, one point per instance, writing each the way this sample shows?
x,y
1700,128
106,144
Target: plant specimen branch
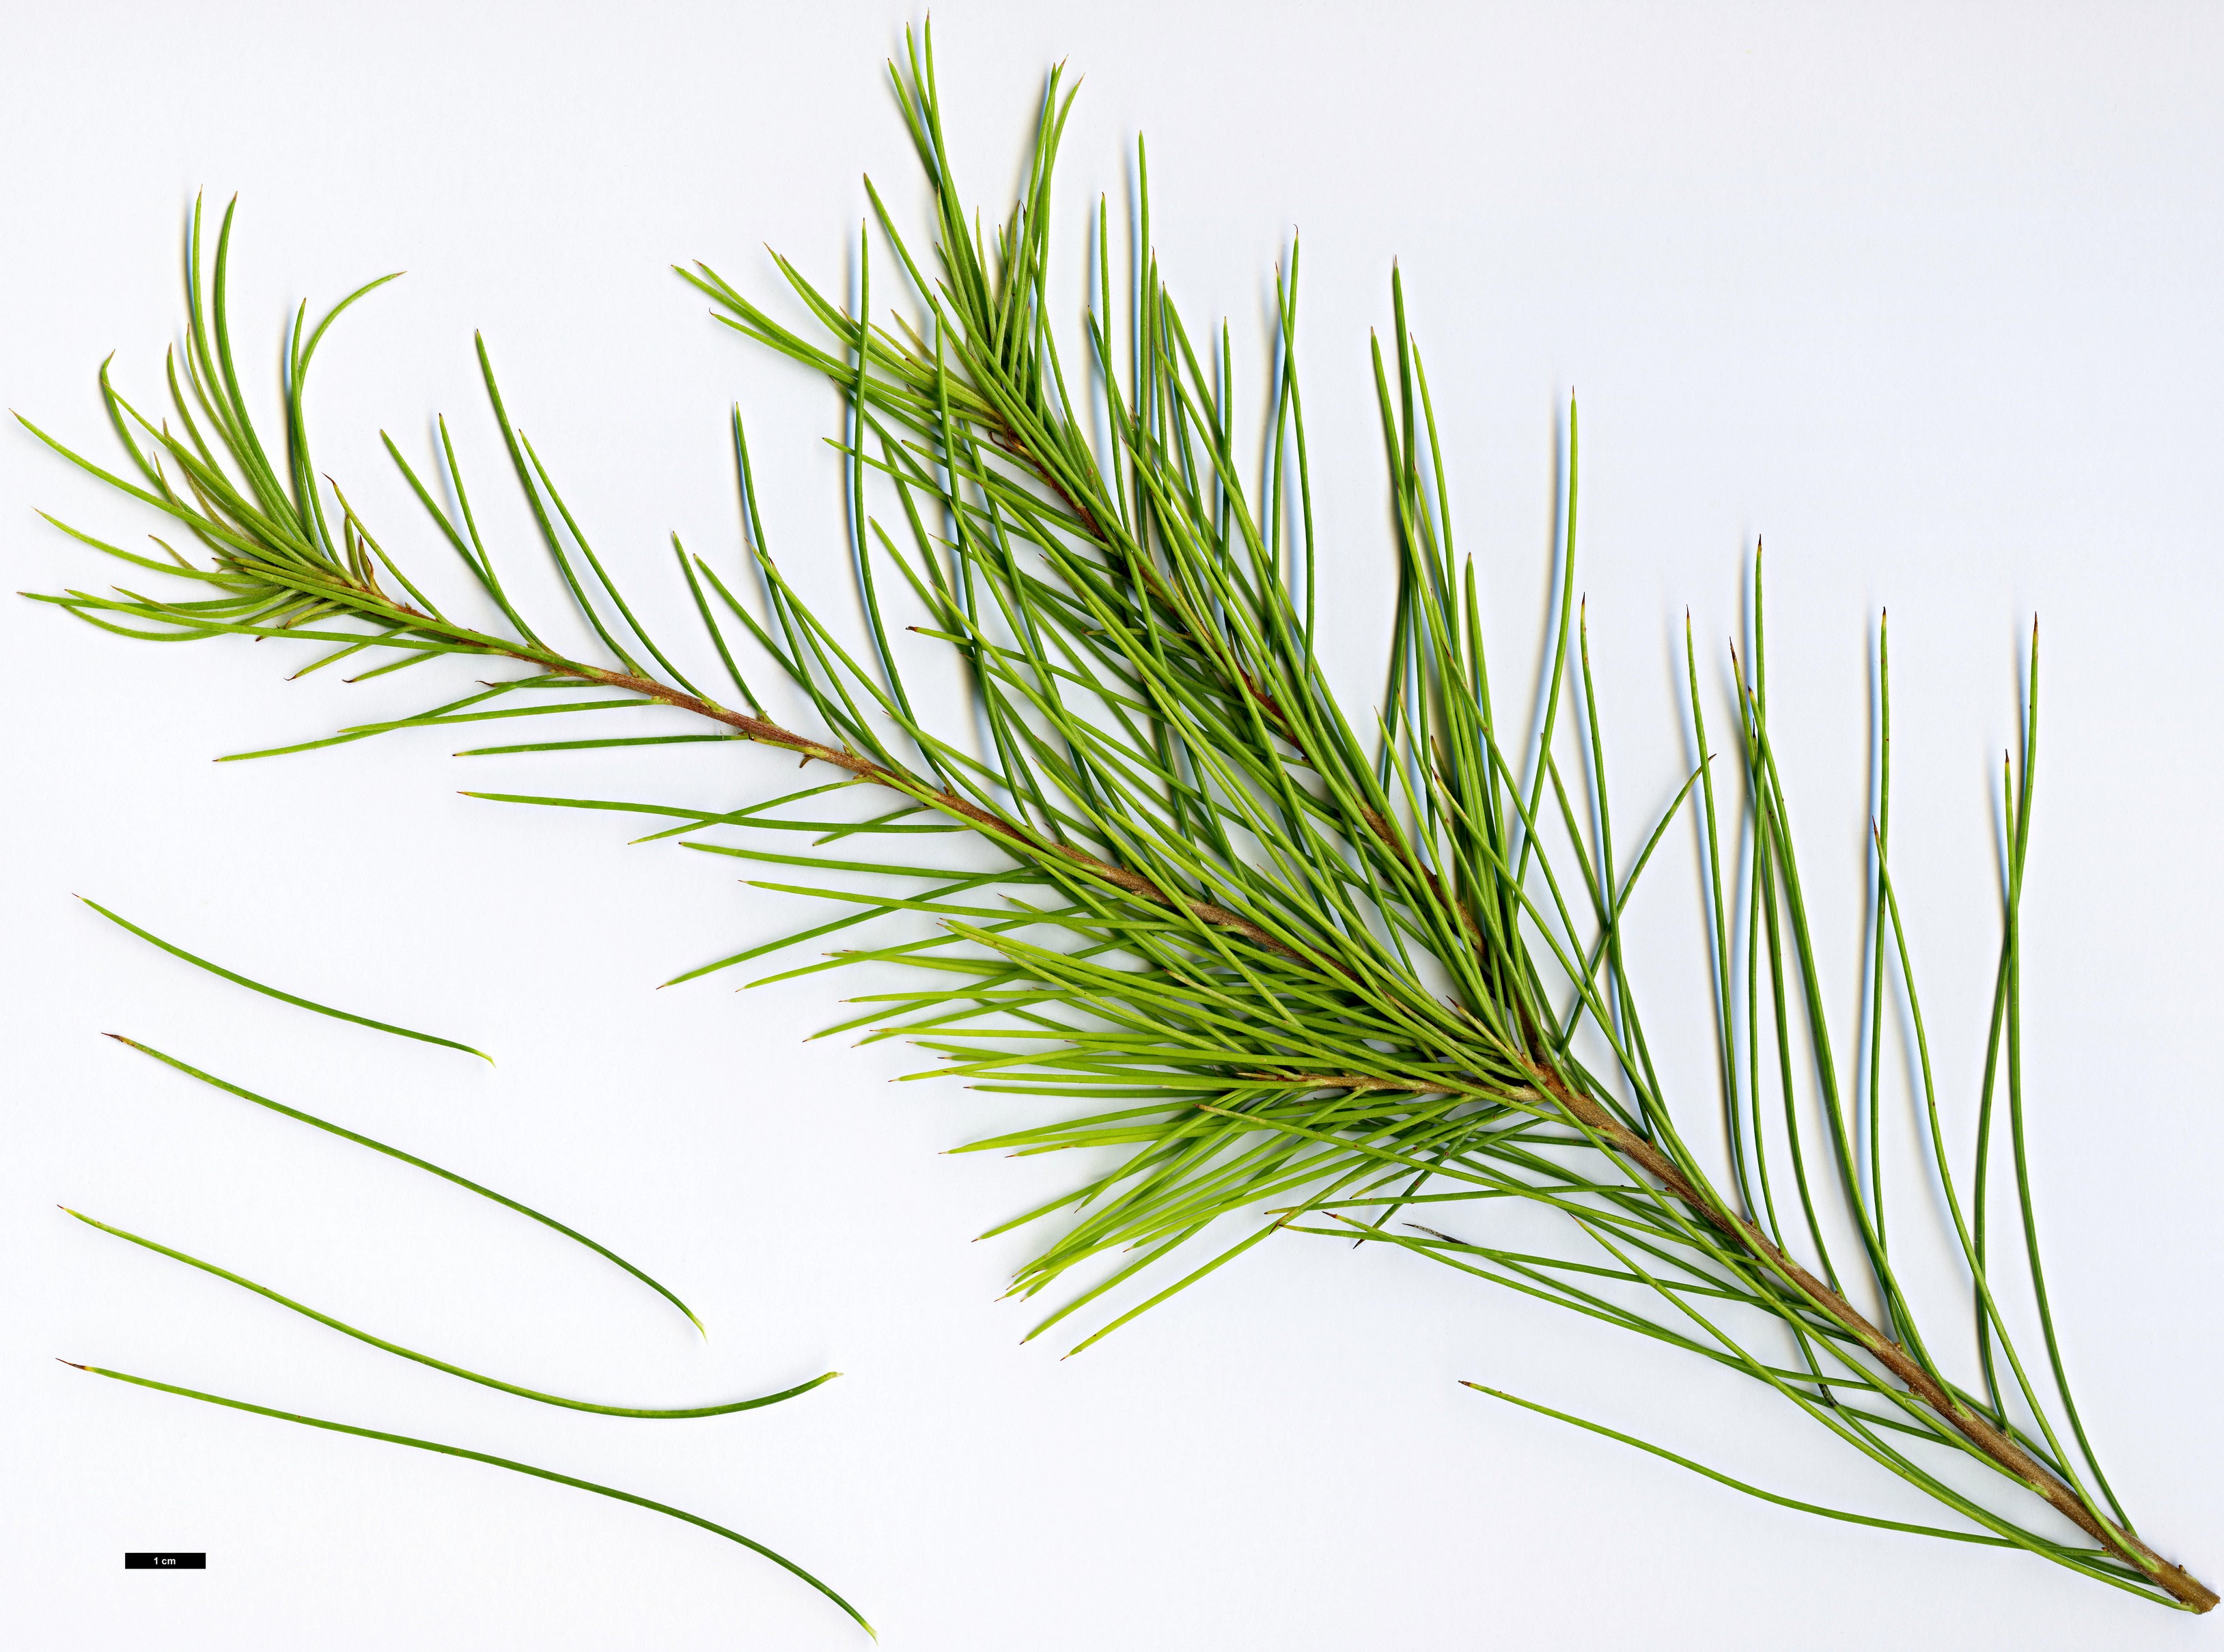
x,y
1330,972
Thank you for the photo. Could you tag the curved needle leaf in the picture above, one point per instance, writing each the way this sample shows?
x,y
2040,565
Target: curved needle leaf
x,y
1740,1485
442,1364
272,992
605,1252
781,1561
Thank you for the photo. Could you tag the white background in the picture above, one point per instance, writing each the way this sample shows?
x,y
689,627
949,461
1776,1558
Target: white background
x,y
1926,294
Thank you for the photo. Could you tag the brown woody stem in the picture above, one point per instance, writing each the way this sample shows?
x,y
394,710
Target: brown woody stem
x,y
1610,1133
1971,1424
771,734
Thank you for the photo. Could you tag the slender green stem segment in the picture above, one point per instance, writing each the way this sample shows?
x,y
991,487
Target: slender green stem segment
x,y
1290,956
727,1533
272,992
441,1365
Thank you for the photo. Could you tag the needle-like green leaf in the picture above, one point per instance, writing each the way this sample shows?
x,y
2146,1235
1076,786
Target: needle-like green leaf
x,y
727,1533
442,1364
572,1233
272,992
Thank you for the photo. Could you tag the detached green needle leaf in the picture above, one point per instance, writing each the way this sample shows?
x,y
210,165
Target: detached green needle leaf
x,y
727,1533
605,1252
441,1365
286,998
